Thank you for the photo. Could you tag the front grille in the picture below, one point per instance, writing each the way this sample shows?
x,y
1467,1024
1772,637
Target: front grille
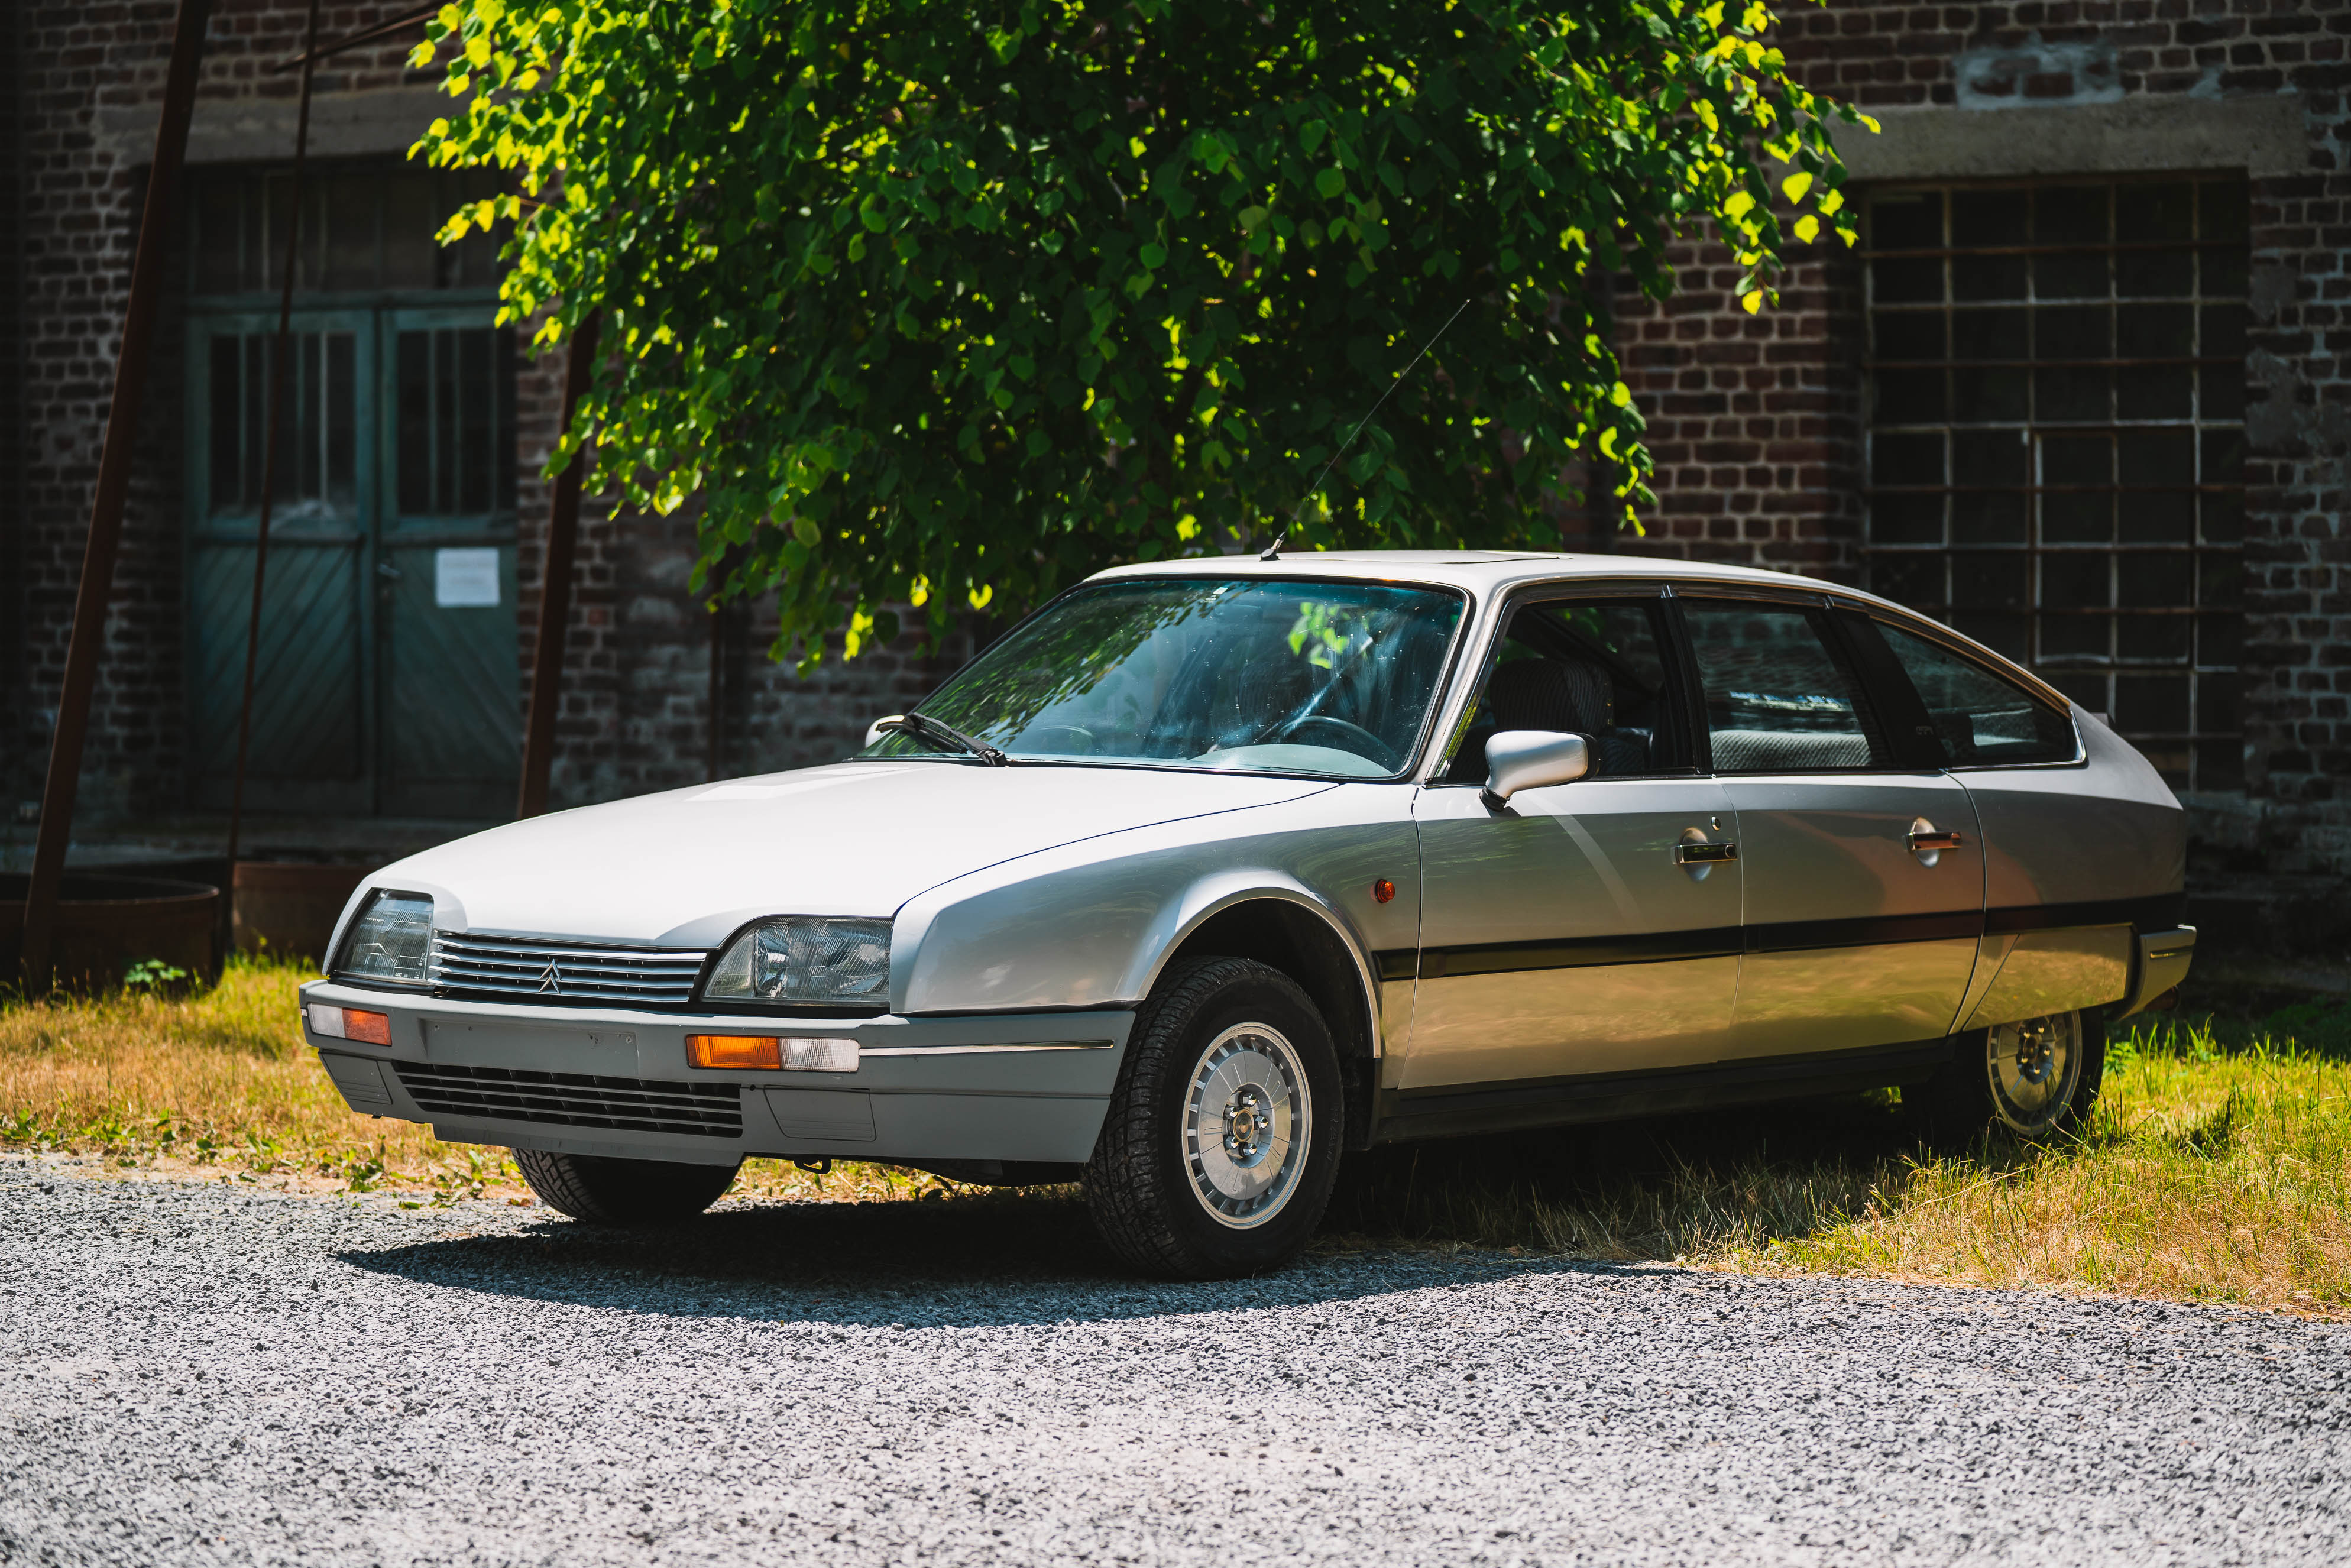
x,y
541,972
574,1098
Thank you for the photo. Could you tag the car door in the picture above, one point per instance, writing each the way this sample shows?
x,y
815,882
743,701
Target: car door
x,y
1864,880
1581,928
2080,852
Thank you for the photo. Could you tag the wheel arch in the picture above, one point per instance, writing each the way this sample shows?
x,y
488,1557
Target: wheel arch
x,y
1286,928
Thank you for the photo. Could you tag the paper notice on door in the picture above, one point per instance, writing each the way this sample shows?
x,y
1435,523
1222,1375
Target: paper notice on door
x,y
466,578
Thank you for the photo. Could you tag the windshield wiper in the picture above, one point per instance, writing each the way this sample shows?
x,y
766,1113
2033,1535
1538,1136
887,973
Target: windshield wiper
x,y
924,724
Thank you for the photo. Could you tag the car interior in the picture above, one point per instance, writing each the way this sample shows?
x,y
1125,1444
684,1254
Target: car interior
x,y
1588,669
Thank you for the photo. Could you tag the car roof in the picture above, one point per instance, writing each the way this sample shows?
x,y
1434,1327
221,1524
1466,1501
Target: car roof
x,y
1483,573
1487,574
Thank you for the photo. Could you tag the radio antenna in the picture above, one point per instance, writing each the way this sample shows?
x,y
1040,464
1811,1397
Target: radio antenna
x,y
1273,551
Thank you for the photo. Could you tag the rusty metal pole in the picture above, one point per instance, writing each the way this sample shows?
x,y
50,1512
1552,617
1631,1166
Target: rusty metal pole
x,y
278,376
555,581
72,731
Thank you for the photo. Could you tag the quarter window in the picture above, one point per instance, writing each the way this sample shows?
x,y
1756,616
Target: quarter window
x,y
1779,699
2056,441
1981,719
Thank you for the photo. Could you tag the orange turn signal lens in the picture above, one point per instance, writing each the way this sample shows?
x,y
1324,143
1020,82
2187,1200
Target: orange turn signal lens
x,y
756,1051
1383,891
375,1029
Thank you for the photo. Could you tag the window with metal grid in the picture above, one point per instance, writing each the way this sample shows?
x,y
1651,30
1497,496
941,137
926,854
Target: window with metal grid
x,y
2056,388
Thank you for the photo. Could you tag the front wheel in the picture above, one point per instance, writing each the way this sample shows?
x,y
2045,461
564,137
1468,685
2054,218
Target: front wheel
x,y
2034,1079
1225,1127
623,1192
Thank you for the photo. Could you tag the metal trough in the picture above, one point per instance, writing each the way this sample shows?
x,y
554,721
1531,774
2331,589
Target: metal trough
x,y
105,924
289,906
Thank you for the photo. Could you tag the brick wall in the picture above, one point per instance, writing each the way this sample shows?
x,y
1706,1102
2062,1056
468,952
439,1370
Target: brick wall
x,y
634,713
1756,422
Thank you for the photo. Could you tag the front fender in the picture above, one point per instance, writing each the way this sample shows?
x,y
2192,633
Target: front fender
x,y
1091,924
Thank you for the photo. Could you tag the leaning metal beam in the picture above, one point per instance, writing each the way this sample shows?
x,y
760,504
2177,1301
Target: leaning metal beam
x,y
278,376
104,542
555,580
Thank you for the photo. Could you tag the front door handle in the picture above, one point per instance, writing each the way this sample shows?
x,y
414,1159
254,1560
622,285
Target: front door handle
x,y
1922,842
1700,851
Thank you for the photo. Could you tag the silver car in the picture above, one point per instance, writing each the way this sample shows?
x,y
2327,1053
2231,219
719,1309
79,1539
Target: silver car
x,y
1213,869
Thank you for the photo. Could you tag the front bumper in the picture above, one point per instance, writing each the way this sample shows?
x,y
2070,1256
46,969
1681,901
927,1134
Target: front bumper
x,y
612,1081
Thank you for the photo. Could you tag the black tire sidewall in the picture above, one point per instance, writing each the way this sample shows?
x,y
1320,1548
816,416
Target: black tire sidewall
x,y
605,1190
1956,1106
1162,1061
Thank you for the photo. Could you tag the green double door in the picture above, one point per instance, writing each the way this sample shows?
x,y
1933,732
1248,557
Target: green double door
x,y
389,678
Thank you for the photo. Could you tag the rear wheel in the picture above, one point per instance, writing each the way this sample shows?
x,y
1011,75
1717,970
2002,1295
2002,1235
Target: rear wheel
x,y
623,1192
1224,1131
2036,1078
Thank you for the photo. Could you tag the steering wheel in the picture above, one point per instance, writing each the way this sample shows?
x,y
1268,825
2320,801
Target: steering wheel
x,y
1085,738
1358,740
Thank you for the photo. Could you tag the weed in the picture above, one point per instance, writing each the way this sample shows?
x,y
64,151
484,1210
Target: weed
x,y
154,976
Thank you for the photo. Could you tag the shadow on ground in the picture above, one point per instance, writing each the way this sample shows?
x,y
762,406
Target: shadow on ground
x,y
966,1261
1401,1217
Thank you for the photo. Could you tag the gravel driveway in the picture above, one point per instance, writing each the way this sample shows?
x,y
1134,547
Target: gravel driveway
x,y
196,1374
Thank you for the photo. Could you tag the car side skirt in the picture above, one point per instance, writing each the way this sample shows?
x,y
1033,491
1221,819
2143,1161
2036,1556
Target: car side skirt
x,y
1455,1112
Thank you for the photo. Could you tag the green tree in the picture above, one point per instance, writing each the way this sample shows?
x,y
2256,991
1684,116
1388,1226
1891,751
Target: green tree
x,y
952,304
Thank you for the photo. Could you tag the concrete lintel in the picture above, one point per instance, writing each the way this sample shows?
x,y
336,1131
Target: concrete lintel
x,y
2261,136
246,130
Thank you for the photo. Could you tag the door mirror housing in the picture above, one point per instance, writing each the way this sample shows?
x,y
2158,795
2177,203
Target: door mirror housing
x,y
1520,760
875,731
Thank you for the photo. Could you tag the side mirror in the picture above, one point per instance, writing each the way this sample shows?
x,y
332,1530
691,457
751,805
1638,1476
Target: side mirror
x,y
875,731
1520,760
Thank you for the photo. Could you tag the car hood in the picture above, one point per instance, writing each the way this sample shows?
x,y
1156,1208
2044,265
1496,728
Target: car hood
x,y
686,867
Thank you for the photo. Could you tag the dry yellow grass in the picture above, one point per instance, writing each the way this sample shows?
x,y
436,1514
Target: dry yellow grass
x,y
2209,1172
220,1081
2217,1167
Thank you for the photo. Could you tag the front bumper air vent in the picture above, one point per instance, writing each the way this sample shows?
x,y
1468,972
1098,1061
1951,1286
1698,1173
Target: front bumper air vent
x,y
573,1099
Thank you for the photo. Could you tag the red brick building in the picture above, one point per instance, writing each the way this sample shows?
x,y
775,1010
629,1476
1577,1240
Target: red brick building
x,y
2082,391
405,550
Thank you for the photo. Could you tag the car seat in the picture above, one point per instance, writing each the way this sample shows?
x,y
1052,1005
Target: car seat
x,y
1570,695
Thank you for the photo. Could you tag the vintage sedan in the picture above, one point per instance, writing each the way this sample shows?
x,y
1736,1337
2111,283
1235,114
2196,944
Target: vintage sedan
x,y
1212,870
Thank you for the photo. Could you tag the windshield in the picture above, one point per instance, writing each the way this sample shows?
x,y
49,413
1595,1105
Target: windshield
x,y
1253,673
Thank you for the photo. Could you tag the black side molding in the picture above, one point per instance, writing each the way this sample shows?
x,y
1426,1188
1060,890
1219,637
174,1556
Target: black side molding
x,y
1453,1111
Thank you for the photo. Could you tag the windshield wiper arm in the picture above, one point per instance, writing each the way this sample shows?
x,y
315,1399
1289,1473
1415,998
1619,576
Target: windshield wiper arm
x,y
924,724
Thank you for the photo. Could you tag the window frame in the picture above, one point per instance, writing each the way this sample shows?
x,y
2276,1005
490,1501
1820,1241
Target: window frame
x,y
1969,573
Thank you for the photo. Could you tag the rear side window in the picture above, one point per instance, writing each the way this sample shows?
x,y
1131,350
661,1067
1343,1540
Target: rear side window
x,y
1779,699
1983,719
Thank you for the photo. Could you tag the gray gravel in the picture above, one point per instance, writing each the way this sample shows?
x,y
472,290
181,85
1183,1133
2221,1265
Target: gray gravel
x,y
196,1374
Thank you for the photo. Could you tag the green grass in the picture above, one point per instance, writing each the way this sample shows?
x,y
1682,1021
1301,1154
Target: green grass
x,y
2216,1167
220,1081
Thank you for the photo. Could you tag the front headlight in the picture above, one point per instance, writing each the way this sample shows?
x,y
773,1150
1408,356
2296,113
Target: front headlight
x,y
392,941
805,960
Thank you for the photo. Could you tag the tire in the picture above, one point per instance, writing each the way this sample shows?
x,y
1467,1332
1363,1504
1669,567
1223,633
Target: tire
x,y
2034,1079
623,1192
1229,1048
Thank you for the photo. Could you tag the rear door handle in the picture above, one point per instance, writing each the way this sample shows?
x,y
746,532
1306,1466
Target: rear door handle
x,y
1691,852
1927,840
